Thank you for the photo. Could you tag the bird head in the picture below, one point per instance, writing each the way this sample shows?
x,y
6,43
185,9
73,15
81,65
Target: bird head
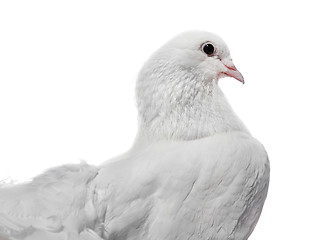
x,y
205,52
178,85
198,52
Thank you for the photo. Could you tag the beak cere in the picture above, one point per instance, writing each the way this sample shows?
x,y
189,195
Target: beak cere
x,y
233,72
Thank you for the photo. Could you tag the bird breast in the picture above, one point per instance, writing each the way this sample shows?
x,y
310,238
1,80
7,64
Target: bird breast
x,y
212,188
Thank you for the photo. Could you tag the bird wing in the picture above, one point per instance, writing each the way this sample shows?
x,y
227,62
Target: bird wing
x,y
52,205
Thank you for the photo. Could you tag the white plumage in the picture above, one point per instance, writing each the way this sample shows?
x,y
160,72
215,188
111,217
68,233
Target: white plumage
x,y
194,171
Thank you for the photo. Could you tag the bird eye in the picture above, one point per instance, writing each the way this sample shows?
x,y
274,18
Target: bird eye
x,y
208,48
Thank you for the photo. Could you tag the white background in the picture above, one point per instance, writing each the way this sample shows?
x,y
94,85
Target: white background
x,y
68,69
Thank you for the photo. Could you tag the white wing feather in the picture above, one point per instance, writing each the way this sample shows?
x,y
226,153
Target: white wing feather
x,y
56,203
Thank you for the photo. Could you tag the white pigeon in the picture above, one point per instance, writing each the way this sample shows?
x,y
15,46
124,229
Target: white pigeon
x,y
194,171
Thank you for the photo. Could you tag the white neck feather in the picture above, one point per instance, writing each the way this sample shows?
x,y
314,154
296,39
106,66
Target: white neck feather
x,y
182,106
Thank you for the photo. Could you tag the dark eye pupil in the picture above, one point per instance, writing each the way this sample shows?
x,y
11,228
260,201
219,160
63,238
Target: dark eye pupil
x,y
208,49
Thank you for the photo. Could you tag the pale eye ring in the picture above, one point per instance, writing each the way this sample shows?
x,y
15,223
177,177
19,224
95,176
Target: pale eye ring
x,y
208,48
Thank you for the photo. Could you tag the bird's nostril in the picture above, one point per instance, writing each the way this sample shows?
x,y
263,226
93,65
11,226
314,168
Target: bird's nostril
x,y
231,67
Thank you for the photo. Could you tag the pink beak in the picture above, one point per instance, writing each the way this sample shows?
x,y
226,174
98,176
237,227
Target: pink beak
x,y
233,72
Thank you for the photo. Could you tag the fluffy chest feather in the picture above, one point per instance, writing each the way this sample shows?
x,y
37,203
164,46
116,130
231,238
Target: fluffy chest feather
x,y
213,188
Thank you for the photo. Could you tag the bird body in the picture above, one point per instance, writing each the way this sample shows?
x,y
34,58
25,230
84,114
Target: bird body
x,y
191,191
194,171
